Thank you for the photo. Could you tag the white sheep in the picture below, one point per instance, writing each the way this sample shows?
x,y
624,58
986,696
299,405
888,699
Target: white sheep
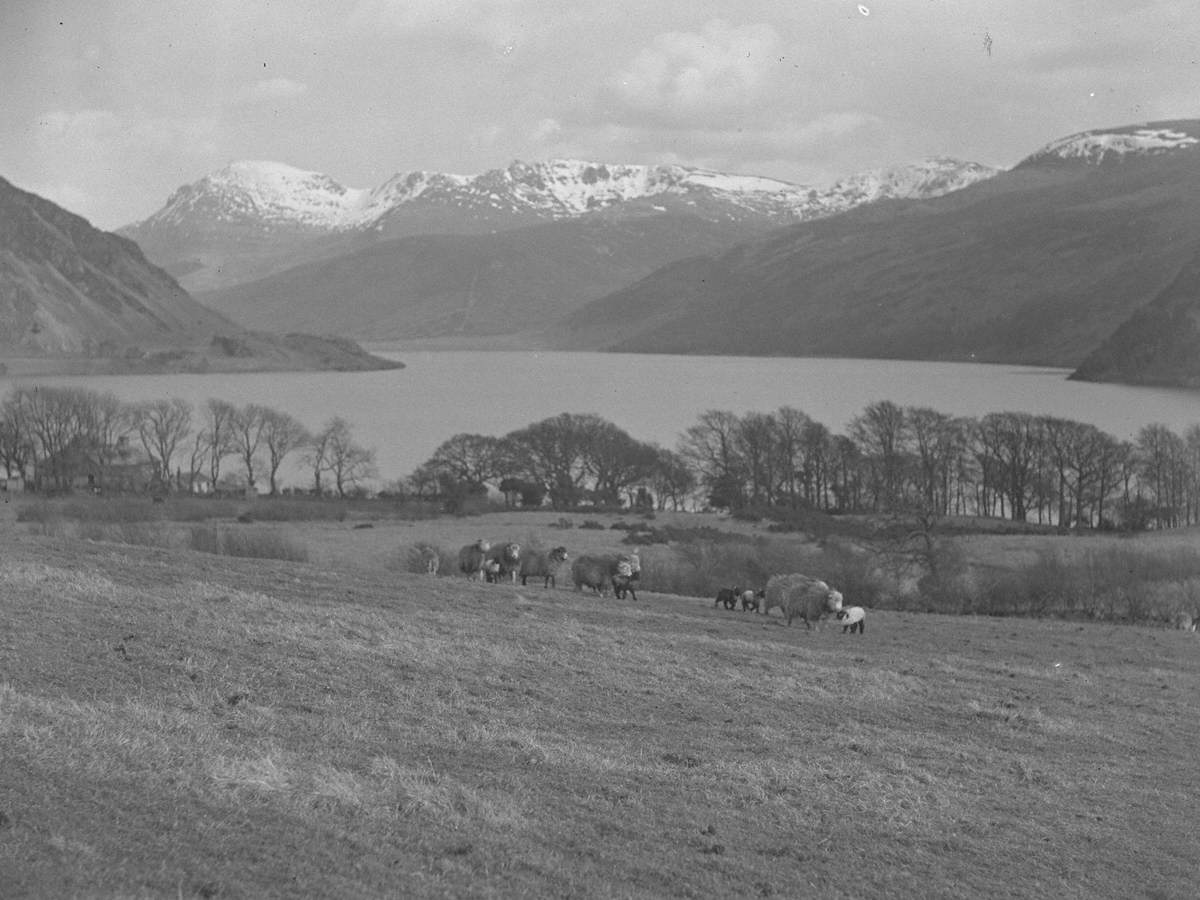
x,y
853,618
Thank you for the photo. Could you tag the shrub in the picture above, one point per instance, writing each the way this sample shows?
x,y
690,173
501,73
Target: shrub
x,y
592,524
414,559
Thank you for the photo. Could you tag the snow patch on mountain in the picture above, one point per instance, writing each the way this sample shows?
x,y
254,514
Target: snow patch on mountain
x,y
271,195
1109,145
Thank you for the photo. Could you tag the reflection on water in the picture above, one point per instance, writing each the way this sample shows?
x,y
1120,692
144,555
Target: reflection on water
x,y
405,413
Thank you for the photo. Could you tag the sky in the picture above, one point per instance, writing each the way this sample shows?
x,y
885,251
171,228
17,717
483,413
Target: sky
x,y
108,106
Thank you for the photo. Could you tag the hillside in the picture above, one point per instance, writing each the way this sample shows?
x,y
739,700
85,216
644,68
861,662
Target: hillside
x,y
181,724
495,284
1037,265
74,298
1159,344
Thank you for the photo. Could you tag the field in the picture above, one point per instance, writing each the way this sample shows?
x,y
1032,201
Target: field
x,y
179,724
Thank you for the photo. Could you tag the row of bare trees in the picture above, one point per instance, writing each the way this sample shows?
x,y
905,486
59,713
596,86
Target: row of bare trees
x,y
1010,465
60,437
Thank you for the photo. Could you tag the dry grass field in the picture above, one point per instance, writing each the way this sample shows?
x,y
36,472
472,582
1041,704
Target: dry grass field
x,y
178,724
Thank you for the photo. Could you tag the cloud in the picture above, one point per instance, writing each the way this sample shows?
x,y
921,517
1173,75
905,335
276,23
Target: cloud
x,y
721,68
270,89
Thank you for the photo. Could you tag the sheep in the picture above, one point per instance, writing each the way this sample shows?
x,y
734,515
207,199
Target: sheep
x,y
602,572
491,570
853,618
801,596
626,571
752,599
546,565
472,557
594,572
1185,621
728,596
508,556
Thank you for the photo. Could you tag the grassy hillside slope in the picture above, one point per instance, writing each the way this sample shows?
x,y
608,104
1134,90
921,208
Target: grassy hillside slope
x,y
472,284
176,724
1037,265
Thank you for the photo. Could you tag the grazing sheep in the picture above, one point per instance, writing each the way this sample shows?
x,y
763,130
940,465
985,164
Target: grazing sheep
x,y
542,564
431,558
1184,621
472,557
853,618
801,596
728,596
751,600
508,556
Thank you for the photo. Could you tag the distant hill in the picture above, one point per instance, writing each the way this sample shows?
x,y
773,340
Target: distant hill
x,y
256,218
517,281
71,292
1040,264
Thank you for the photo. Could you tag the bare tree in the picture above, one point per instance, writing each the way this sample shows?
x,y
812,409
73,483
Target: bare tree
x,y
332,451
281,434
246,428
162,425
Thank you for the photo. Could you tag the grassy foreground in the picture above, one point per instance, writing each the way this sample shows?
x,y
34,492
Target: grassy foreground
x,y
174,724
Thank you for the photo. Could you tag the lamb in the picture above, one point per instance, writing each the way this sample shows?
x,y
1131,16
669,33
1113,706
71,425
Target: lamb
x,y
626,571
751,599
472,557
853,618
546,565
491,570
728,596
1185,621
801,596
508,557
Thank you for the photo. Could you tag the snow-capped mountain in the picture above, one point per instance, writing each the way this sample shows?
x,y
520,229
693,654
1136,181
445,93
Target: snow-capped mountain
x,y
256,217
1103,146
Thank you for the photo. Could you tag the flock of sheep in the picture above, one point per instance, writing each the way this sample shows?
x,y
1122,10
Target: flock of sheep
x,y
797,596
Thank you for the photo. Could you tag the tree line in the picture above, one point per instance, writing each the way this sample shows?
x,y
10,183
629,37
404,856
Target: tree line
x,y
891,459
59,438
895,459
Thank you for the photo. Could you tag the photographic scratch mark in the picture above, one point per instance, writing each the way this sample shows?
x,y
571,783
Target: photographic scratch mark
x,y
987,42
864,10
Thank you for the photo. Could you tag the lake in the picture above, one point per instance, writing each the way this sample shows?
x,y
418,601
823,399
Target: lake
x,y
404,414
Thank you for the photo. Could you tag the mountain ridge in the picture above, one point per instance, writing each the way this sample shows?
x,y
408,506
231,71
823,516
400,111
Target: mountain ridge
x,y
254,218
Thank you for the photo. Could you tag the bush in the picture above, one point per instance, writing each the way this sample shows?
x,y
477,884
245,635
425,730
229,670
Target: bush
x,y
592,524
415,556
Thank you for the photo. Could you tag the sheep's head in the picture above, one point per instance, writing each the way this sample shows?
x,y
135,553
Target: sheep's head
x,y
512,552
833,600
483,545
559,554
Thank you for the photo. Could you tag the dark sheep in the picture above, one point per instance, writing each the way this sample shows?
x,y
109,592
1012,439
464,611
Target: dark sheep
x,y
543,564
727,596
801,596
603,572
593,572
